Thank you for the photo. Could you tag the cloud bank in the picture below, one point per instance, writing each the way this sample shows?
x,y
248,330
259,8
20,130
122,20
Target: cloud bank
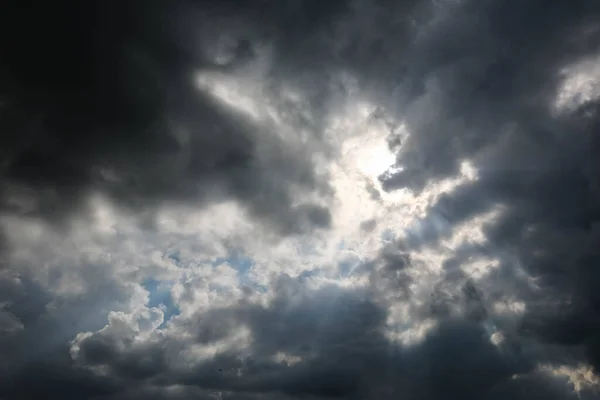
x,y
300,200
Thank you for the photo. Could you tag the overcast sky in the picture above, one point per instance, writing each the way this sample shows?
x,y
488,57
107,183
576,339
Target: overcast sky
x,y
300,199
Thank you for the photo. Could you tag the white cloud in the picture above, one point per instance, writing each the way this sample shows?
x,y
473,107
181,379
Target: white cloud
x,y
580,85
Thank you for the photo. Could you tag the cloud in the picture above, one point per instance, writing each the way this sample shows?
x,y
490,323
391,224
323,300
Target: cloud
x,y
108,103
538,167
299,200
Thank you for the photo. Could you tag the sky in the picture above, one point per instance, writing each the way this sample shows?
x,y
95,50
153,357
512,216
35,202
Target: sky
x,y
279,200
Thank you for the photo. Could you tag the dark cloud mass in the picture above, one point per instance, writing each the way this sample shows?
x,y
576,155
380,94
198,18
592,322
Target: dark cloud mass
x,y
102,98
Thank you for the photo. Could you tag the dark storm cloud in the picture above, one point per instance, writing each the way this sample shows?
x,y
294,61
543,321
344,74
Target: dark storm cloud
x,y
481,68
336,335
101,97
479,82
39,352
55,377
332,341
90,97
490,75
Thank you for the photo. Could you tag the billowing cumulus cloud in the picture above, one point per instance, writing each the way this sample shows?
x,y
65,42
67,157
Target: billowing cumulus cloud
x,y
299,200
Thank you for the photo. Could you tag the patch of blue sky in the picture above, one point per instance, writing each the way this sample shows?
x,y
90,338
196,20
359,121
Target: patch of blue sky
x,y
424,230
160,297
260,288
347,267
242,264
175,257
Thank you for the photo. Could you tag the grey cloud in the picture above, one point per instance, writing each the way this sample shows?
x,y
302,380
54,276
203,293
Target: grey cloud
x,y
336,335
93,103
106,111
39,352
483,67
331,342
536,386
489,75
56,379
